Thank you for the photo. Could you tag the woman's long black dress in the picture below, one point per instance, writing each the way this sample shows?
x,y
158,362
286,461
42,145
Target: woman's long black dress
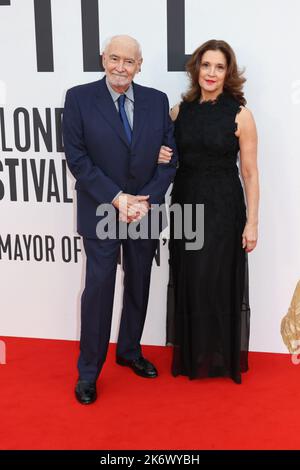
x,y
208,321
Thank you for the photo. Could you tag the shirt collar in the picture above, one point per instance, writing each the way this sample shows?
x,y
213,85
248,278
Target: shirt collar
x,y
115,95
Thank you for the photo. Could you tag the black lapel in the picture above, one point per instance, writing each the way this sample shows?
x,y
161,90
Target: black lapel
x,y
140,112
107,108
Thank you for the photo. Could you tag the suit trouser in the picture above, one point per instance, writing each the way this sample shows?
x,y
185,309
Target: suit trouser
x,y
98,295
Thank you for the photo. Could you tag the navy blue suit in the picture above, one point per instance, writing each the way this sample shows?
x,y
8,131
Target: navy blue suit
x,y
103,163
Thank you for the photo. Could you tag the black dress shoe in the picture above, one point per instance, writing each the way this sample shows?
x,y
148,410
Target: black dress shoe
x,y
140,366
85,392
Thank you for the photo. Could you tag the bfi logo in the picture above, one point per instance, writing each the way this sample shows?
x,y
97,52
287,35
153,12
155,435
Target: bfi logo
x,y
91,35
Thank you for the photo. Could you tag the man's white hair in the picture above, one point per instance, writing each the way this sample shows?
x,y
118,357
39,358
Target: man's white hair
x,y
108,41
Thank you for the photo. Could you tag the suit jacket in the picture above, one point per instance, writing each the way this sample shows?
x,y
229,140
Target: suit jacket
x,y
99,155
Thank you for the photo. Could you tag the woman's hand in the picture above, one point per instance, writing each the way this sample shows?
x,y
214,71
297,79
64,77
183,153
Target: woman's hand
x,y
249,237
165,154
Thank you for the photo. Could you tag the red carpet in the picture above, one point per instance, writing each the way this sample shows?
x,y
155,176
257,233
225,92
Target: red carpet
x,y
38,409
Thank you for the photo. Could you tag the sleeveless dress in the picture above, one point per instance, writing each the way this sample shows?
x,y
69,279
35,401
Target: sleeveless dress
x,y
208,308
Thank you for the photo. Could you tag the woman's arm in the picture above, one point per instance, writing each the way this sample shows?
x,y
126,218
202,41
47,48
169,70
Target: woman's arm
x,y
248,158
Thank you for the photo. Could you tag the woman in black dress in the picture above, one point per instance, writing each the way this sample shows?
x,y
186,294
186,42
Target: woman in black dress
x,y
209,324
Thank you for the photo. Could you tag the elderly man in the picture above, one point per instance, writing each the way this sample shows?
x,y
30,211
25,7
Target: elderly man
x,y
113,130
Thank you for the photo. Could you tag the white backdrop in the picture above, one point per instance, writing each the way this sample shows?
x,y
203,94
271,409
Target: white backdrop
x,y
42,298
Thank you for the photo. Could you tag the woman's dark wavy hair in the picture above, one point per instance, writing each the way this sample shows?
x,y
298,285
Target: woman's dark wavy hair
x,y
234,79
